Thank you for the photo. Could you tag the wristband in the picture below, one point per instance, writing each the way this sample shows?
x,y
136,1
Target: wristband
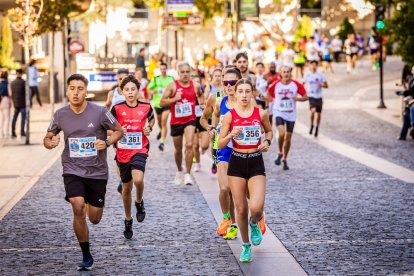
x,y
150,127
268,141
107,143
211,128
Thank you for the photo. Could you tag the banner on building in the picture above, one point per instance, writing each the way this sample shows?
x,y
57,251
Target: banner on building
x,y
248,10
180,6
182,21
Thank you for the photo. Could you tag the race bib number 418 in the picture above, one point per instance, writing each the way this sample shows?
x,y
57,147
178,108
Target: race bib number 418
x,y
82,147
183,110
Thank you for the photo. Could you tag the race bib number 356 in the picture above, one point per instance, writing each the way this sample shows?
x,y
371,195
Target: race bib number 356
x,y
250,136
131,140
82,147
183,110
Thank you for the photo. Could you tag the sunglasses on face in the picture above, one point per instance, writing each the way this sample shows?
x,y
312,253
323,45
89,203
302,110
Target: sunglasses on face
x,y
230,82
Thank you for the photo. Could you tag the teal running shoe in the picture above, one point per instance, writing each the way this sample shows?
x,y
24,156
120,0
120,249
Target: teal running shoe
x,y
255,234
246,254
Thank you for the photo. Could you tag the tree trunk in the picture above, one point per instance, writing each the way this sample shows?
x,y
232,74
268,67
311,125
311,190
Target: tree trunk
x,y
52,77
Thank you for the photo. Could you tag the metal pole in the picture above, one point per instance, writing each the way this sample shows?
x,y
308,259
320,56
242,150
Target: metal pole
x,y
106,28
176,43
381,104
237,3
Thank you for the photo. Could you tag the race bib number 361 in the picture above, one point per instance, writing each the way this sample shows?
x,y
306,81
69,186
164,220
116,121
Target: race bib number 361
x,y
82,147
131,140
183,110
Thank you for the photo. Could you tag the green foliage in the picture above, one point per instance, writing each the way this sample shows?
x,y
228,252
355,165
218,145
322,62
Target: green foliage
x,y
305,28
54,14
345,28
401,30
6,44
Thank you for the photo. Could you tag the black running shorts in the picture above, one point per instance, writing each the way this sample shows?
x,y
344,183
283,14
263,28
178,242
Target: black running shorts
x,y
289,125
159,111
316,103
92,190
246,165
137,162
199,127
178,130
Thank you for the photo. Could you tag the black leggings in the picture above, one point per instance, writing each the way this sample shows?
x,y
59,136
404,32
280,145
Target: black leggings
x,y
35,92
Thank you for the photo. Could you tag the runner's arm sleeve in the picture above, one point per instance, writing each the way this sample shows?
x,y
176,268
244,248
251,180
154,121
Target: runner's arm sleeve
x,y
113,112
151,85
54,124
108,121
301,89
150,115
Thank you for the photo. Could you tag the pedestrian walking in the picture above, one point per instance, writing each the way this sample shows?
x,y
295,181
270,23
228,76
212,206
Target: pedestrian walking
x,y
18,88
5,105
140,62
84,159
34,83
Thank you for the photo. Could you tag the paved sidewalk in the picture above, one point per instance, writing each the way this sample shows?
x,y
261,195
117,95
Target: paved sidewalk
x,y
23,164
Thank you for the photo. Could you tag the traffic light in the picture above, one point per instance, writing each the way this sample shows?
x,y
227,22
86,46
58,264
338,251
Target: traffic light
x,y
379,16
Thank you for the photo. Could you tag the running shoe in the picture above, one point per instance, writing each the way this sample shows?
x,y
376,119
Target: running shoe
x,y
262,224
223,227
188,180
161,147
179,178
232,233
278,159
285,165
214,168
128,229
246,254
119,189
197,167
86,264
159,135
140,211
255,234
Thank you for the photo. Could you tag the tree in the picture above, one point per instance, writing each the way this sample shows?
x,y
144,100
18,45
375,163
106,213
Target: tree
x,y
305,28
6,44
401,31
53,19
345,28
24,20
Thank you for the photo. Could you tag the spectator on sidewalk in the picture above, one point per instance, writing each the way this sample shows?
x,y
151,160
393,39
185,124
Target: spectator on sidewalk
x,y
5,105
18,88
33,83
141,61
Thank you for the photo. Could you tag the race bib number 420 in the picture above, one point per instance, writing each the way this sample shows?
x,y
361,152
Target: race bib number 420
x,y
82,147
131,140
183,110
249,136
286,105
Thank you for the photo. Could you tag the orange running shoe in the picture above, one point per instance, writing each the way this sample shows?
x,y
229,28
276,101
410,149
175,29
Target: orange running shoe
x,y
222,228
262,224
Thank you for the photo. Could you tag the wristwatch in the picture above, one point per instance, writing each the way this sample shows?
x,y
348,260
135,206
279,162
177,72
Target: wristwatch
x,y
107,143
268,141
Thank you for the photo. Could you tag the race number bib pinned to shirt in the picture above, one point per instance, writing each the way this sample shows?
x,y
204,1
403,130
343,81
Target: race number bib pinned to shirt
x,y
82,147
183,110
198,111
131,140
249,136
286,105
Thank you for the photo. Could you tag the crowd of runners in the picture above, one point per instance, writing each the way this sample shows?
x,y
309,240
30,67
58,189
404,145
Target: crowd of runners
x,y
226,113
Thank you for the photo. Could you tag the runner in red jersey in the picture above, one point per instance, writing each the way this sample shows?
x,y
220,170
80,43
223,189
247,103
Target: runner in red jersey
x,y
137,120
181,96
246,172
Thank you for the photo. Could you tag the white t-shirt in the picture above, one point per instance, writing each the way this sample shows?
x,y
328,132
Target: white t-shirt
x,y
312,80
312,50
287,57
117,97
261,84
283,105
337,44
